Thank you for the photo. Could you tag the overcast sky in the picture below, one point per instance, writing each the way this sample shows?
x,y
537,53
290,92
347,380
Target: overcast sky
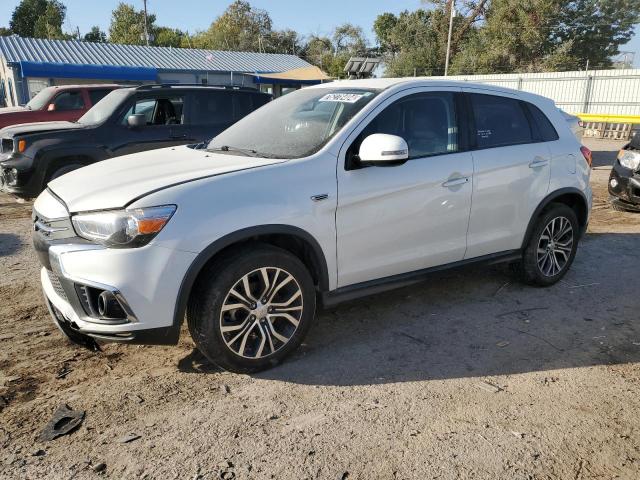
x,y
306,17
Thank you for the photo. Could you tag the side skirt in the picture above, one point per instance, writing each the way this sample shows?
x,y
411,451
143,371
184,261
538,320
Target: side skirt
x,y
373,287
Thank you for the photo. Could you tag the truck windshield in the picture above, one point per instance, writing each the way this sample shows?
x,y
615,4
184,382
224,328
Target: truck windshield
x,y
105,107
41,99
295,125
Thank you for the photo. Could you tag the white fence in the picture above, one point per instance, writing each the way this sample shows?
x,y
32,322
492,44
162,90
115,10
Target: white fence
x,y
613,92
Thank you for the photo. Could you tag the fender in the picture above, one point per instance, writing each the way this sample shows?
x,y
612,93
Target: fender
x,y
546,201
241,235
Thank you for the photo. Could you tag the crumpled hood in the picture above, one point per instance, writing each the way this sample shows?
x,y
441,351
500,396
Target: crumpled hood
x,y
117,182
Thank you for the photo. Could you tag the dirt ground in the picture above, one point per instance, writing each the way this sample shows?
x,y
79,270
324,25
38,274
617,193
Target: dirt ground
x,y
470,375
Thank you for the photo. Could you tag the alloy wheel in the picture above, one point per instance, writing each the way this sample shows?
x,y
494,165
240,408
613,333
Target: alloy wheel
x,y
555,246
261,312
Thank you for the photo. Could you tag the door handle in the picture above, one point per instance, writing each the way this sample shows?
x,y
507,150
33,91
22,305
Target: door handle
x,y
539,162
455,181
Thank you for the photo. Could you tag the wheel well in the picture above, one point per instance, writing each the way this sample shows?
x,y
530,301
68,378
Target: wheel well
x,y
575,202
59,162
295,245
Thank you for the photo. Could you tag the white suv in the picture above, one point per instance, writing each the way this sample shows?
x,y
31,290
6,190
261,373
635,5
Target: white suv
x,y
331,192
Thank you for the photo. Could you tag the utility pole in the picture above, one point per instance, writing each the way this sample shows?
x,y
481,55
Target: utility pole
x,y
146,28
451,14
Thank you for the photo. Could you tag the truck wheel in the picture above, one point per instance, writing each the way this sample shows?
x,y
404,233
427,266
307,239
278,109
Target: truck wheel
x,y
251,309
552,246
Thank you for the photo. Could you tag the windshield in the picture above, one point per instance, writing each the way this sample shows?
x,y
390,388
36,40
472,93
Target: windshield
x,y
294,126
105,107
41,99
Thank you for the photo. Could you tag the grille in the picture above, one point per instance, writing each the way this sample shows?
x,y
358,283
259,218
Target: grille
x,y
6,146
57,286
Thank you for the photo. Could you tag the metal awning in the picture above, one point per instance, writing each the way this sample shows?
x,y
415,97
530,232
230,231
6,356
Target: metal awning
x,y
298,76
104,72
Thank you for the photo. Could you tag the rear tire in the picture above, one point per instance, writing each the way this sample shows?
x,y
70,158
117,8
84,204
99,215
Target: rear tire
x,y
552,246
251,309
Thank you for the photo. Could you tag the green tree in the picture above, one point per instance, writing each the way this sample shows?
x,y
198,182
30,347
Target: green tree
x,y
332,53
168,37
127,25
95,35
39,18
5,32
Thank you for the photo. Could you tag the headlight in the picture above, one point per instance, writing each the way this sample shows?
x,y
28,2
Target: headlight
x,y
123,228
629,159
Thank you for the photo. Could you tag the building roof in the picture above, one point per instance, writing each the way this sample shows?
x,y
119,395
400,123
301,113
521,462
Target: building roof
x,y
16,49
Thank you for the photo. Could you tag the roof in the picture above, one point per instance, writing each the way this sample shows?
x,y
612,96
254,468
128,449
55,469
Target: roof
x,y
311,74
16,49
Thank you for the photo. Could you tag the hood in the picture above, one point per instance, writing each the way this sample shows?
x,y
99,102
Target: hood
x,y
41,127
117,182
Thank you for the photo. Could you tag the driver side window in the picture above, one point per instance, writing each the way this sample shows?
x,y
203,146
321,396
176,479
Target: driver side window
x,y
157,111
426,121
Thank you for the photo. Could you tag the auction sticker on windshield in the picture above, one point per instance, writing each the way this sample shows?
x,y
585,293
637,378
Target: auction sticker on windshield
x,y
341,97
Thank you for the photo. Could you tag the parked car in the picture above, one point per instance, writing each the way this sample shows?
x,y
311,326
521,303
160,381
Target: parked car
x,y
575,124
59,103
624,180
128,120
329,193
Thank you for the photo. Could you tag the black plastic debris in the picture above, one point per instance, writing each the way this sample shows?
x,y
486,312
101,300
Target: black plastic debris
x,y
64,421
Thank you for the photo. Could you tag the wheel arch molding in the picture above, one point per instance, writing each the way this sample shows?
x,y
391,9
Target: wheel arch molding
x,y
273,234
571,196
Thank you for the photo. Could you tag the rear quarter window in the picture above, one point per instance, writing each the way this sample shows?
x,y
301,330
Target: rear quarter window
x,y
212,108
96,95
545,129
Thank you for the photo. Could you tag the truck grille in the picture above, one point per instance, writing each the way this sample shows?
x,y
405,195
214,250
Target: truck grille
x,y
57,286
6,145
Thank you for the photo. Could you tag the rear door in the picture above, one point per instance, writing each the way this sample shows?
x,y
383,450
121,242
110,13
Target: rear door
x,y
511,172
210,112
165,124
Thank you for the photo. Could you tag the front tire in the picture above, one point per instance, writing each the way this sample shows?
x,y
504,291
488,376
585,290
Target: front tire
x,y
251,309
551,247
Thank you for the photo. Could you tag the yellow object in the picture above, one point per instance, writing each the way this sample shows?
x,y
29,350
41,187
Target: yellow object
x,y
299,74
603,117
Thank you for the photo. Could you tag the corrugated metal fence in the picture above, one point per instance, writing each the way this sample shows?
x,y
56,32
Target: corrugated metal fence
x,y
613,92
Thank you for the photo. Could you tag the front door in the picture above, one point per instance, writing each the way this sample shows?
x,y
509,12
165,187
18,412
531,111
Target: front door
x,y
165,126
393,220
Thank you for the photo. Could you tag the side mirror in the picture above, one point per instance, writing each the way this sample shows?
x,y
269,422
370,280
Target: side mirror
x,y
137,120
51,107
383,150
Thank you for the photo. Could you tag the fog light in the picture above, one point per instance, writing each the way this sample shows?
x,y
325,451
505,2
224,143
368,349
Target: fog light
x,y
613,183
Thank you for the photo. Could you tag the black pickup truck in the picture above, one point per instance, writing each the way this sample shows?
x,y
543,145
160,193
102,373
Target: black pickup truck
x,y
127,120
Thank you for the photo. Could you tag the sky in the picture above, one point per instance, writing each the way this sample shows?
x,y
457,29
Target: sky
x,y
306,17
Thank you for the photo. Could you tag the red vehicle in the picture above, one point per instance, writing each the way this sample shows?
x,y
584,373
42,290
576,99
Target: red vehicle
x,y
64,102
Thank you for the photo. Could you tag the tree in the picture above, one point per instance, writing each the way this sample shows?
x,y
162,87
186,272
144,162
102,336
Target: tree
x,y
240,28
95,35
5,32
168,37
39,18
127,25
331,54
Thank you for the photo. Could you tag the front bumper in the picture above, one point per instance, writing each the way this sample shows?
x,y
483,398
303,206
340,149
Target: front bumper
x,y
17,176
626,192
145,281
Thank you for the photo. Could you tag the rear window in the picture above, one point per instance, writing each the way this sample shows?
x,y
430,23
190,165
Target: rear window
x,y
98,94
499,121
546,131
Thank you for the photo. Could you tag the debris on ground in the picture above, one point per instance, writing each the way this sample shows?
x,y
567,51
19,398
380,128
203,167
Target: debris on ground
x,y
488,387
64,421
130,437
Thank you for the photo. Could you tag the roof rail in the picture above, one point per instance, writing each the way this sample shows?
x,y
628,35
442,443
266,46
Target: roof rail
x,y
192,85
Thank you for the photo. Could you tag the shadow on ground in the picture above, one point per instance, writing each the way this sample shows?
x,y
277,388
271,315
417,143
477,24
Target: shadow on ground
x,y
9,244
480,322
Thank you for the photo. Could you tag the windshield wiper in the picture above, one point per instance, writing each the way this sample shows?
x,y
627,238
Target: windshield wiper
x,y
226,148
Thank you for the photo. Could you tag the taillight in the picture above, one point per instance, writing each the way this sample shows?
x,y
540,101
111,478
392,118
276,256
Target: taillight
x,y
586,153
